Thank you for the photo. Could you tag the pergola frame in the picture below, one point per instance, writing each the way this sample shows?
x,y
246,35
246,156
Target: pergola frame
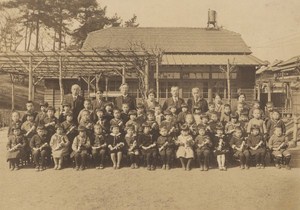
x,y
74,64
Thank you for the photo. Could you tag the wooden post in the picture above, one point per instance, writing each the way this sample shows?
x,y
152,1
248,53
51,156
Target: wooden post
x,y
12,92
123,75
258,91
97,82
228,82
61,88
106,87
295,130
269,91
89,85
157,77
146,76
30,79
33,88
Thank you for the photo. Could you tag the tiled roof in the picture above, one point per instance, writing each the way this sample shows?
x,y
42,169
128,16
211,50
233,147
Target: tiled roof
x,y
211,59
169,40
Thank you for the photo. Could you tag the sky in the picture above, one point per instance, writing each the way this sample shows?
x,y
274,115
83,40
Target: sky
x,y
270,27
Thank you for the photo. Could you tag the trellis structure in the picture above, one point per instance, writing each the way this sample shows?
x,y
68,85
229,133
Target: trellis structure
x,y
39,65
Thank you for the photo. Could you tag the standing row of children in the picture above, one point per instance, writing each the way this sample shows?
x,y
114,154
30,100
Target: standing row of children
x,y
148,136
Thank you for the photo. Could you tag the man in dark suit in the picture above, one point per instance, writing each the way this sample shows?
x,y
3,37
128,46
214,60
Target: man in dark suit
x,y
75,100
99,102
125,98
174,100
197,101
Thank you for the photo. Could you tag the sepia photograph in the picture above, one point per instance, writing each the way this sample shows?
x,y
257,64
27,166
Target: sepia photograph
x,y
149,105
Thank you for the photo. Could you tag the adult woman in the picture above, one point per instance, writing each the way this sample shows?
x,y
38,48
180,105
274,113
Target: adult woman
x,y
218,103
242,100
150,102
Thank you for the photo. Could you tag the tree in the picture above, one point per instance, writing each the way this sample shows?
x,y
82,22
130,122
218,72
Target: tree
x,y
132,22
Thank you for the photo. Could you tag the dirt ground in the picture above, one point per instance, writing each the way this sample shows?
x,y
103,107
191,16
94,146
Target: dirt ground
x,y
266,189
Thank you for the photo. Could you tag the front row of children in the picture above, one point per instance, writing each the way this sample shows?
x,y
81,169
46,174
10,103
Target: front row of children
x,y
192,143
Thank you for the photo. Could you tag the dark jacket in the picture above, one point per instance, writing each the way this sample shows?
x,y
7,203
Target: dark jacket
x,y
170,102
128,99
76,105
202,103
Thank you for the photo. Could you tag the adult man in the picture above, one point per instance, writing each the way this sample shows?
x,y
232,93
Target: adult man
x,y
197,101
75,100
99,102
173,100
125,98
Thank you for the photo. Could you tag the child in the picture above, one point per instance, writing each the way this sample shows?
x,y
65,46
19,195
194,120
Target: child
x,y
244,121
132,121
169,124
275,121
86,122
182,114
269,109
115,144
14,146
185,150
87,107
124,113
173,111
256,146
80,146
63,115
220,147
197,114
69,128
205,122
29,130
100,120
278,143
225,114
141,116
211,109
256,120
15,122
40,148
29,109
132,146
154,129
256,105
99,146
230,126
49,122
42,114
203,146
238,144
148,146
165,145
240,109
108,116
214,122
159,117
59,144
190,122
117,120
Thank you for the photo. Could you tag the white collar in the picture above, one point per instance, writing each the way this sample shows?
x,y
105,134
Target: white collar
x,y
115,135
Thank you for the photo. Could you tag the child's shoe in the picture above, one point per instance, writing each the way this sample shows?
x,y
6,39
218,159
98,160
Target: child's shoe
x,y
262,166
136,166
164,167
258,166
287,167
242,166
37,168
81,168
201,168
118,167
55,167
12,168
17,167
152,167
132,166
149,167
101,166
277,166
205,168
224,168
220,168
59,167
247,167
168,167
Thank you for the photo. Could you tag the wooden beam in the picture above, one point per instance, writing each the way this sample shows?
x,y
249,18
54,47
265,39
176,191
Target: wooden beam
x,y
146,77
30,79
61,88
157,77
228,82
123,75
12,92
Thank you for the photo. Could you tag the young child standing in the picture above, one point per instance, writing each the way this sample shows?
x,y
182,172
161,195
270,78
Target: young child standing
x,y
132,121
275,121
148,146
278,143
42,114
203,146
256,120
87,107
185,149
87,123
40,148
98,146
59,144
117,120
182,114
197,114
159,117
81,146
170,124
14,146
220,147
238,144
99,119
190,122
225,114
49,122
256,146
165,145
232,124
115,143
30,110
132,146
211,109
214,122
15,122
125,113
69,128
63,115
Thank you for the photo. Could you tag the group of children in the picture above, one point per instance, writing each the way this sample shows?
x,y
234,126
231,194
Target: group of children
x,y
147,137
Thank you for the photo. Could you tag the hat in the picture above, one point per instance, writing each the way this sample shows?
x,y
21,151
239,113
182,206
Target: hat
x,y
132,112
81,128
29,113
167,112
51,108
45,104
219,127
40,127
184,127
145,124
184,105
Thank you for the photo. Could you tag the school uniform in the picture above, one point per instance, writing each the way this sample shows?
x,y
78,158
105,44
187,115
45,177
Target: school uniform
x,y
159,118
124,117
118,122
24,118
220,148
167,144
25,128
243,155
37,142
200,102
104,125
99,153
169,125
185,149
271,124
131,148
260,123
225,118
62,117
40,117
88,124
193,129
145,140
50,128
13,141
16,124
213,126
173,101
113,140
70,129
76,103
275,142
84,110
59,145
260,153
154,129
81,147
203,146
133,123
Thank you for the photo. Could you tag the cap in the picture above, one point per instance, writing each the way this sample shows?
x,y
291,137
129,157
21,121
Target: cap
x,y
201,127
29,113
69,114
81,128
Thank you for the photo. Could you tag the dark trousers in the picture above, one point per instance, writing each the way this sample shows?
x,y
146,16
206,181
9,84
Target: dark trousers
x,y
99,156
166,156
150,156
259,155
203,156
40,154
244,156
133,158
80,157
